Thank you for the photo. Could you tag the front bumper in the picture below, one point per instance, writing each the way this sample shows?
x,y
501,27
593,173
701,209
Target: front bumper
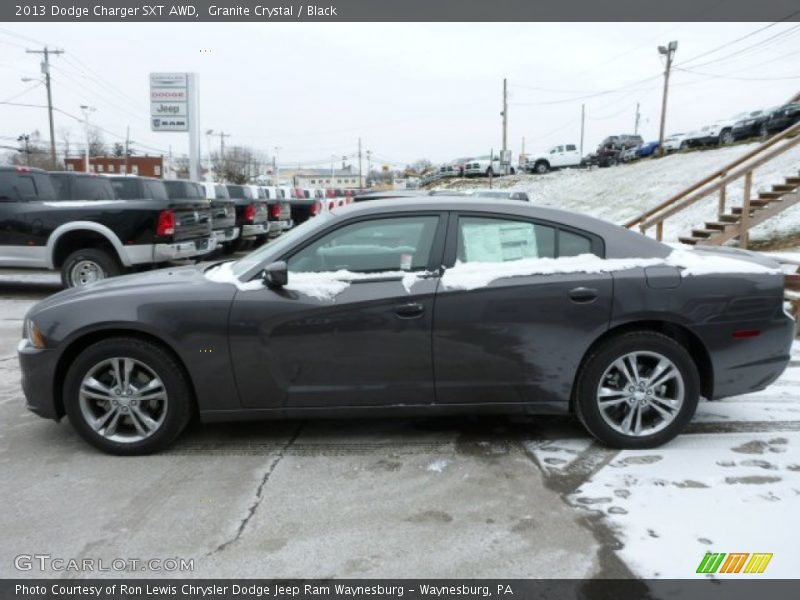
x,y
253,230
37,366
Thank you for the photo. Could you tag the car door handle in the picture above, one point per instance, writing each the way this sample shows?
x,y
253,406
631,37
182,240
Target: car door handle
x,y
409,311
583,294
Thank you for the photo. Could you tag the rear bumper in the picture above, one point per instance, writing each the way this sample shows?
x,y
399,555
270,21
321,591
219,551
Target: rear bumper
x,y
226,235
37,367
278,227
156,253
751,364
253,230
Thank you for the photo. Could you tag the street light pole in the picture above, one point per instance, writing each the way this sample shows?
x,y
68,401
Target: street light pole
x,y
669,52
276,167
86,111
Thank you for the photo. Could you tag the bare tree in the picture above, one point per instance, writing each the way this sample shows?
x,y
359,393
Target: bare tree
x,y
32,152
240,164
97,144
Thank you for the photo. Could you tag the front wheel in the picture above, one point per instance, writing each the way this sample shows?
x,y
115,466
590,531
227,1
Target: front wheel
x,y
637,390
726,138
541,168
87,266
127,396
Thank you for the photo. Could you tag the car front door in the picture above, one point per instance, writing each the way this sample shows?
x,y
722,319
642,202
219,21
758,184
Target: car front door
x,y
352,328
514,339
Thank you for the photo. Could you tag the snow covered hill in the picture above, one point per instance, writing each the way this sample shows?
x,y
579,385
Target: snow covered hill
x,y
620,193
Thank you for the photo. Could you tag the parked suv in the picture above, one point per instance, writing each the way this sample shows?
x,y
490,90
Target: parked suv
x,y
74,223
557,157
752,125
783,118
609,150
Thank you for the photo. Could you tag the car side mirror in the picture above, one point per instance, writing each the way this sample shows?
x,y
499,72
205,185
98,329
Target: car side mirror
x,y
276,274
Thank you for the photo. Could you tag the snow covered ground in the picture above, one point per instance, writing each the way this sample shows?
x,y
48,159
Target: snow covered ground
x,y
732,484
620,193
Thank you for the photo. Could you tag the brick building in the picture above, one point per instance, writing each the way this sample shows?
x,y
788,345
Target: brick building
x,y
146,166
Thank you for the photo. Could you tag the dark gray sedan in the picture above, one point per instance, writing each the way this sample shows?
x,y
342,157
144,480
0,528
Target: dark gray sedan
x,y
414,307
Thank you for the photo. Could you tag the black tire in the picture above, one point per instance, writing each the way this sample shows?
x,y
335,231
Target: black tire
x,y
764,132
684,145
541,167
726,137
513,171
104,262
261,240
179,407
601,359
239,244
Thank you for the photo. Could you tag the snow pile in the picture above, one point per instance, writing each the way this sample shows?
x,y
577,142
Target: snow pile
x,y
470,276
323,286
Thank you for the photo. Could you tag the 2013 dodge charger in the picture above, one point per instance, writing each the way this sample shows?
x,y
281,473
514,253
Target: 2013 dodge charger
x,y
428,305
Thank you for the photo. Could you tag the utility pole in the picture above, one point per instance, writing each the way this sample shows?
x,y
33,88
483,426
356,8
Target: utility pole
x,y
86,111
583,125
669,52
369,164
46,70
522,154
503,154
276,173
127,146
25,138
360,182
636,122
333,158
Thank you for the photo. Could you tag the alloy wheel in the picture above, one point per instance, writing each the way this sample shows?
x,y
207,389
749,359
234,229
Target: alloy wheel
x,y
123,400
640,393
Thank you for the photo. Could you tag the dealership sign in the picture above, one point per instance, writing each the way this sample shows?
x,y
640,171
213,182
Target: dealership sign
x,y
170,108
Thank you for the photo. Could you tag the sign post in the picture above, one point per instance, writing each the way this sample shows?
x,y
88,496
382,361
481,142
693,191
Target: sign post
x,y
174,108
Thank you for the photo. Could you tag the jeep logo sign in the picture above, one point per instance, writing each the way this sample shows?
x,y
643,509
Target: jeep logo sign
x,y
172,109
169,102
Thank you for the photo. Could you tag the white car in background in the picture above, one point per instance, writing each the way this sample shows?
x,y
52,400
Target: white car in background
x,y
674,142
557,157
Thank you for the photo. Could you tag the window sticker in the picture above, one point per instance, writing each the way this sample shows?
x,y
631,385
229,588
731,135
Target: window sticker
x,y
500,242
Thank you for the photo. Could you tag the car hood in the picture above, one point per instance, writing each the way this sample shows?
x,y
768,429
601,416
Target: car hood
x,y
137,284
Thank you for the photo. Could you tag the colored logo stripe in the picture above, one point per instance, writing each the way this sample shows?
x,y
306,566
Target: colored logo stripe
x,y
713,562
758,563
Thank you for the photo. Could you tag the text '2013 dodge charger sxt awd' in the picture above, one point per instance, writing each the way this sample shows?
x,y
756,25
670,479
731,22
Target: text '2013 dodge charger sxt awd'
x,y
415,306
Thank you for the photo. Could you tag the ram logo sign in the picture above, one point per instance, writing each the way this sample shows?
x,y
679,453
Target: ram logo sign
x,y
734,562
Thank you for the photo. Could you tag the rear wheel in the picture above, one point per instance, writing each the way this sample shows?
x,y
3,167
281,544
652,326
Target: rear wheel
x,y
88,265
127,396
637,390
726,137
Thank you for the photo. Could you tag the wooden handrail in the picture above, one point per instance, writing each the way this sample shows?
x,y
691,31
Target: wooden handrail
x,y
644,220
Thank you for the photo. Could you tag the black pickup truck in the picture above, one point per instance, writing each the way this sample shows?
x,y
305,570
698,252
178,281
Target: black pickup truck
x,y
251,215
75,222
278,208
223,210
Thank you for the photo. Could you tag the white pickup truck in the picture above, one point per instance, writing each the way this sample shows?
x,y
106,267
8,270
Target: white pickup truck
x,y
557,157
483,166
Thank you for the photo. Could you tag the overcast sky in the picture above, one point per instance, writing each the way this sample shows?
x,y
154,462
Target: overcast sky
x,y
410,90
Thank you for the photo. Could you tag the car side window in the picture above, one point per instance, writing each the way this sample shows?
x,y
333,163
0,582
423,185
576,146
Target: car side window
x,y
388,244
573,244
571,148
26,187
486,239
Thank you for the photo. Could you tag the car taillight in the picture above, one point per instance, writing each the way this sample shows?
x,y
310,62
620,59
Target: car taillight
x,y
250,213
315,209
275,211
166,223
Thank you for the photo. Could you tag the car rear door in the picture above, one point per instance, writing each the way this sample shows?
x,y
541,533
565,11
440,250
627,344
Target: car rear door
x,y
332,340
520,339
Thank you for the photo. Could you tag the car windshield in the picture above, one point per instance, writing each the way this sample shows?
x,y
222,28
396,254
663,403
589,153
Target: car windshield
x,y
255,258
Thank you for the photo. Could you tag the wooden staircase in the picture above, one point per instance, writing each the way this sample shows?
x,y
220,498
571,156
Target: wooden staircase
x,y
731,222
764,207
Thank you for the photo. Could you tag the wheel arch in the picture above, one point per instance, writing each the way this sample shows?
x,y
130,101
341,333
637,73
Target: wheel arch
x,y
680,333
80,343
69,231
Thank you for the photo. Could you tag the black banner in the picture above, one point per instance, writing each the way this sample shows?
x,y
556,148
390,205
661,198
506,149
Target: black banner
x,y
392,589
400,10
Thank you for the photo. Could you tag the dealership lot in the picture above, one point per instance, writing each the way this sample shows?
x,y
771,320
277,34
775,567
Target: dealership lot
x,y
488,497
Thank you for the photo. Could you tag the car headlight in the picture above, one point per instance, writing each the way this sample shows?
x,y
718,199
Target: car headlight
x,y
33,334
